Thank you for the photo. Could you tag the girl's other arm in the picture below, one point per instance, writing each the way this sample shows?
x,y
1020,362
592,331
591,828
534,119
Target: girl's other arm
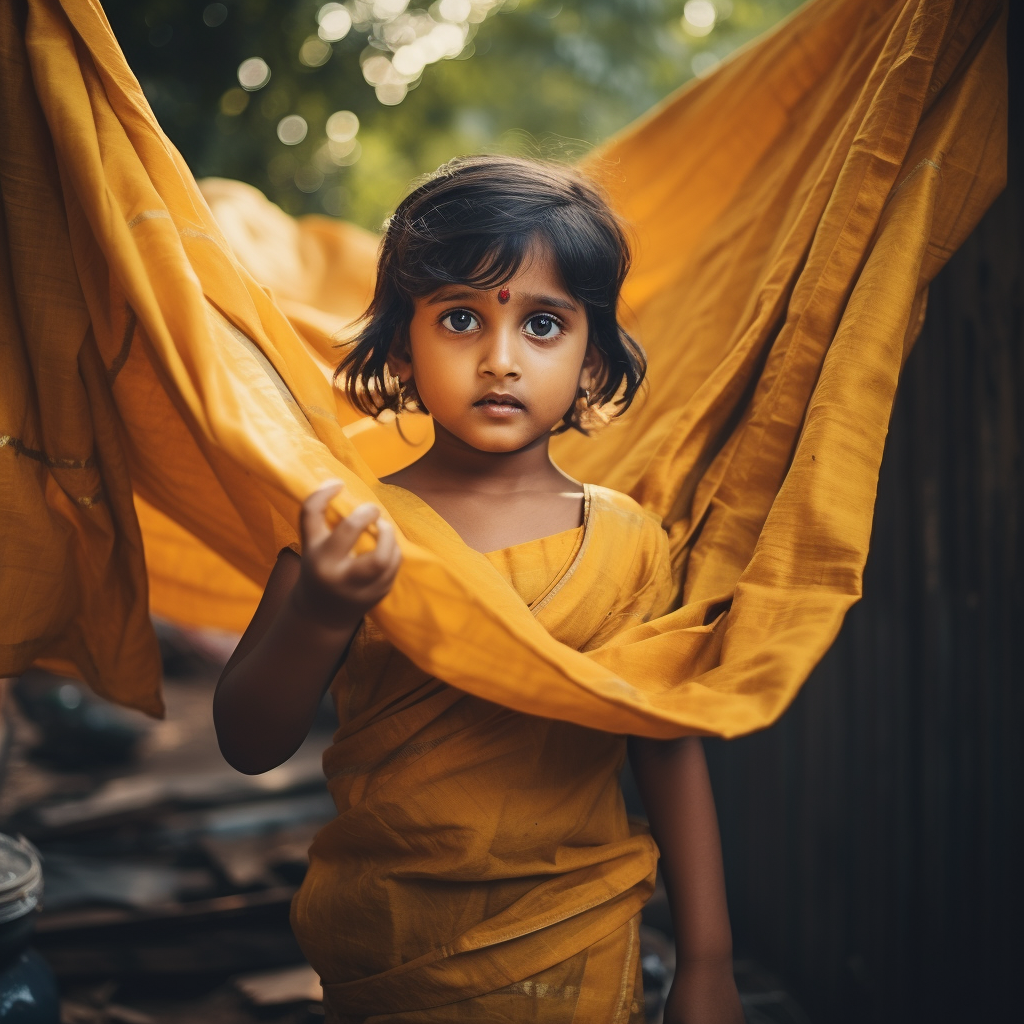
x,y
672,776
271,687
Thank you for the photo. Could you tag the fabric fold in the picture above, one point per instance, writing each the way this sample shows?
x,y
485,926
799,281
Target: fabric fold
x,y
789,211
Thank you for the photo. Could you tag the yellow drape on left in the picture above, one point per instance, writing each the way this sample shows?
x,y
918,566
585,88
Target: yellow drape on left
x,y
791,210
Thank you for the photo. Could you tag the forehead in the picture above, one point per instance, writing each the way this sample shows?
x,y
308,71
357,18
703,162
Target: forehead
x,y
538,273
540,268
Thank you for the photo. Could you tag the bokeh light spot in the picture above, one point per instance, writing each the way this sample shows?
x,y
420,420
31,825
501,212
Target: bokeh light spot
x,y
253,74
308,179
214,15
454,10
234,101
385,9
377,70
448,40
314,52
334,21
342,126
391,93
332,155
699,17
409,60
344,154
291,130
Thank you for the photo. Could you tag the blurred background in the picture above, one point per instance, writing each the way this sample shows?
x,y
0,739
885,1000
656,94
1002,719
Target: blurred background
x,y
333,108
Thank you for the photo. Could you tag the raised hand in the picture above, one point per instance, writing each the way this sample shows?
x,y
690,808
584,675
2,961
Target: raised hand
x,y
337,587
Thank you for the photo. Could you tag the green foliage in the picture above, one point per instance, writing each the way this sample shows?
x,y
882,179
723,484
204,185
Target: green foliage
x,y
535,77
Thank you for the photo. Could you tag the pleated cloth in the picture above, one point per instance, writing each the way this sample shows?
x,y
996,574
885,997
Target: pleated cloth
x,y
163,415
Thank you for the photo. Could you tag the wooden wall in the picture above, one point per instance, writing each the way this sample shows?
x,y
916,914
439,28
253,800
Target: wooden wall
x,y
874,838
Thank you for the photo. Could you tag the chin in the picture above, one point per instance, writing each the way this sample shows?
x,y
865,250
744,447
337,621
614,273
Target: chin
x,y
494,441
497,445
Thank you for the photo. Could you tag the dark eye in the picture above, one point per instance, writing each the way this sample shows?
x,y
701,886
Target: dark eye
x,y
543,326
460,321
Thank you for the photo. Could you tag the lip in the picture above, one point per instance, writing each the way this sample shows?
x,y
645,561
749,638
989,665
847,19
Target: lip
x,y
499,405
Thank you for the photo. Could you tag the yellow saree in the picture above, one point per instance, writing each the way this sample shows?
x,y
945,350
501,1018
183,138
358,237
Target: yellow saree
x,y
477,848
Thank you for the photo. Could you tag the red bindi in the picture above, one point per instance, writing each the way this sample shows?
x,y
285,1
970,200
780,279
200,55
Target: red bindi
x,y
504,295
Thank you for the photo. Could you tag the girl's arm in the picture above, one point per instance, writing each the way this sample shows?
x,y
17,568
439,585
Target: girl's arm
x,y
672,777
270,689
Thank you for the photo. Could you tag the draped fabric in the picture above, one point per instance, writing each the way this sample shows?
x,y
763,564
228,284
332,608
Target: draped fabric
x,y
481,857
163,414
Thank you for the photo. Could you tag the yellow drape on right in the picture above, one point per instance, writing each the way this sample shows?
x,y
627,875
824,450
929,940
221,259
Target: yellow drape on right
x,y
790,212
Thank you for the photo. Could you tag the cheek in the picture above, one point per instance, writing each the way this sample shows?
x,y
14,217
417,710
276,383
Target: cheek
x,y
556,374
440,371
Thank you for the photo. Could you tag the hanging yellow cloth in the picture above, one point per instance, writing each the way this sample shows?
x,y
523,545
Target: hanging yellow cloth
x,y
790,211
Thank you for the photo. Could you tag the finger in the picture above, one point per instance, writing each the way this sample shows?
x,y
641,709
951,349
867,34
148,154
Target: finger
x,y
393,567
345,534
313,519
369,579
387,578
369,569
386,543
364,570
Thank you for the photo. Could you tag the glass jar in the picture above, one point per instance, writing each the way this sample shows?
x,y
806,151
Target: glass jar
x,y
28,990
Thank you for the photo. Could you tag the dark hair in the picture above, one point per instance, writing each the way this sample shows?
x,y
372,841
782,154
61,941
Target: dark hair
x,y
472,222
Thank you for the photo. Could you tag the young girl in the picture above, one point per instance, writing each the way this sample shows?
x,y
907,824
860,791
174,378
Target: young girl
x,y
481,867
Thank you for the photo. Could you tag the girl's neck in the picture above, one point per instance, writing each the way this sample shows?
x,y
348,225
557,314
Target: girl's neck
x,y
453,465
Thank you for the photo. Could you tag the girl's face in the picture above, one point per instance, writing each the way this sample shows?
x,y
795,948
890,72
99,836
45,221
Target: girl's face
x,y
499,368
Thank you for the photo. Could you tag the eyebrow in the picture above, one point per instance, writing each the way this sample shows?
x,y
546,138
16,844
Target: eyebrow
x,y
462,295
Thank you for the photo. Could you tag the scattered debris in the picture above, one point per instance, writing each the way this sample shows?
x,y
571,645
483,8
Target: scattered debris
x,y
78,1013
658,964
81,881
76,728
273,988
122,796
167,873
765,1000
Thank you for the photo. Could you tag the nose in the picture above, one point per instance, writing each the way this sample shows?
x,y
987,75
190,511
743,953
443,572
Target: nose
x,y
500,358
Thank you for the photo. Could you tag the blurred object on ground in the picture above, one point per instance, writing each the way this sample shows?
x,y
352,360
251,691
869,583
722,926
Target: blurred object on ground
x,y
77,729
167,872
131,1003
28,990
187,652
658,963
764,999
274,988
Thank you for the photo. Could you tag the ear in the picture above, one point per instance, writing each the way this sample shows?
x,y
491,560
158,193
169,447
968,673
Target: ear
x,y
592,368
399,361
